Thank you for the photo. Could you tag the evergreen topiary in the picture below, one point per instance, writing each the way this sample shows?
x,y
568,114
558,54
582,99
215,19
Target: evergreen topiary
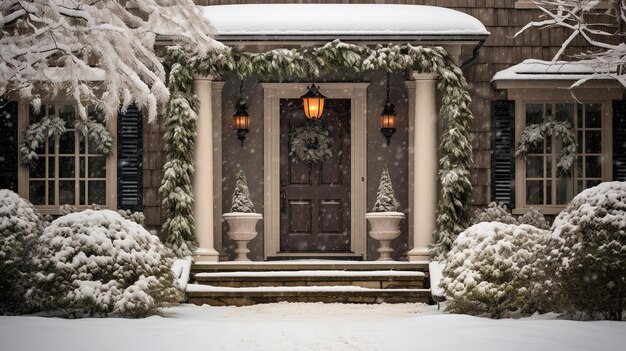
x,y
96,263
588,253
20,226
241,196
385,199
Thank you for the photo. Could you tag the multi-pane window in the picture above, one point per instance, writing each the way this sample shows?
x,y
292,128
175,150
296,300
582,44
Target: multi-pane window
x,y
68,171
543,185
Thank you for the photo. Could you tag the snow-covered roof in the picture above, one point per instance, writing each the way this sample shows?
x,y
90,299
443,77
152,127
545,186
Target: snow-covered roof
x,y
342,21
546,70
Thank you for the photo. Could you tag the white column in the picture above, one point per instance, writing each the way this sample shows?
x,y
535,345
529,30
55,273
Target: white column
x,y
423,115
203,175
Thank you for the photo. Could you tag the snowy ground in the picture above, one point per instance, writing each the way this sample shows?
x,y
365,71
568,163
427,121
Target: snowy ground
x,y
309,327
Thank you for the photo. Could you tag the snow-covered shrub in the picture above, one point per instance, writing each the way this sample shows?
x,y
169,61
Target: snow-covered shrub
x,y
137,217
385,198
98,263
490,270
494,212
20,226
535,218
589,252
241,196
498,212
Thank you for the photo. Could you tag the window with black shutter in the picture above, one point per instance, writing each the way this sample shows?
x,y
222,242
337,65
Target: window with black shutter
x,y
503,146
129,160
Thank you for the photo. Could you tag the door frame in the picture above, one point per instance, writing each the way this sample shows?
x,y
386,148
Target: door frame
x,y
357,93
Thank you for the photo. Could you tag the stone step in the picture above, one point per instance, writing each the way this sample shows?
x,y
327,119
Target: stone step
x,y
303,265
225,296
368,279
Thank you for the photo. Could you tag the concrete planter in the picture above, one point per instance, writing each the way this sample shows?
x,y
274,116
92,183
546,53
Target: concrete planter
x,y
384,228
242,229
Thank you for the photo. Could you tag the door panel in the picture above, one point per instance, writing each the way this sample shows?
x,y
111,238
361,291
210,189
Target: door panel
x,y
315,198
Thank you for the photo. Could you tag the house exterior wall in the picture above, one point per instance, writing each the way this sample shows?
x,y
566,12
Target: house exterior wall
x,y
500,51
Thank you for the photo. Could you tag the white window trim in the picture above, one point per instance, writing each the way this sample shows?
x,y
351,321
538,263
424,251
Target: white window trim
x,y
520,165
111,162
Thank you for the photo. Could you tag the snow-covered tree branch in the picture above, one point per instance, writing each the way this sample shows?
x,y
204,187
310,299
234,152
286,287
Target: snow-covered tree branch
x,y
99,52
602,28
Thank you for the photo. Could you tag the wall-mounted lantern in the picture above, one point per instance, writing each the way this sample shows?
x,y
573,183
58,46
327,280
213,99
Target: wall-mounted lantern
x,y
388,117
241,118
313,102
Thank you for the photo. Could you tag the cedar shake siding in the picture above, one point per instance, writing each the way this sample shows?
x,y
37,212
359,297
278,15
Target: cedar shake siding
x,y
500,51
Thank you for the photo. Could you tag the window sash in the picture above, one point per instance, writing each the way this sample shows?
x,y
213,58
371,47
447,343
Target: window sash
x,y
51,153
550,155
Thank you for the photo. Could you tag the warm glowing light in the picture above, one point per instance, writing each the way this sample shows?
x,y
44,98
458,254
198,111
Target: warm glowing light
x,y
313,103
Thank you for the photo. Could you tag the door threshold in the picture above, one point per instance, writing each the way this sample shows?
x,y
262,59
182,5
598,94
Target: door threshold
x,y
282,256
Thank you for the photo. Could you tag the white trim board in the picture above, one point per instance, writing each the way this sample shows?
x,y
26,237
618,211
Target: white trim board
x,y
357,93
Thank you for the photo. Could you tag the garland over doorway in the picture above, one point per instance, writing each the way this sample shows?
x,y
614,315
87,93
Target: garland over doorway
x,y
333,57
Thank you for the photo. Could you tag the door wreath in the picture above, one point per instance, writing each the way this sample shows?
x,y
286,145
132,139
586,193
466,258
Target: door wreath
x,y
311,143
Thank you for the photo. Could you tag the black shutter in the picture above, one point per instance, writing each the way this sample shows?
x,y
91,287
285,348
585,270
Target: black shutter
x,y
129,160
619,140
503,156
8,145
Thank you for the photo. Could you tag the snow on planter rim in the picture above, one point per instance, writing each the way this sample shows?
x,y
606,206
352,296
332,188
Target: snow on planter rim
x,y
241,214
340,19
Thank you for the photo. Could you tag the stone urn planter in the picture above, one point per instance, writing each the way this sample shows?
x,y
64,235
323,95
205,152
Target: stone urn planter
x,y
384,228
241,219
242,229
384,219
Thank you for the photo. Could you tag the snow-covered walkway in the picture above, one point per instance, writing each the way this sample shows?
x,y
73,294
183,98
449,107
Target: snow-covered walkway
x,y
302,326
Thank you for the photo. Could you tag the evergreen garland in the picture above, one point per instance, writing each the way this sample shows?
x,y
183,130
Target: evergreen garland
x,y
97,133
36,135
385,198
179,138
241,196
336,57
52,126
536,134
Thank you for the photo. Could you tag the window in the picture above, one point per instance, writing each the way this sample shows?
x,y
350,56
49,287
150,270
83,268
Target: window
x,y
68,170
542,186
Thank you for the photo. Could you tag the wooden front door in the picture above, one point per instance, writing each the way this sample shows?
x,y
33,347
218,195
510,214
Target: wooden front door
x,y
315,198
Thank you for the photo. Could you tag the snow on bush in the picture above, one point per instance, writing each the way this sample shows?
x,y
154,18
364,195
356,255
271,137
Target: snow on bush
x,y
97,263
535,218
498,212
20,226
494,212
490,270
589,252
137,217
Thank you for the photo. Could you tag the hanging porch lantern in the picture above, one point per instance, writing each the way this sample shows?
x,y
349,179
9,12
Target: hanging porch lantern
x,y
241,118
313,102
388,117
